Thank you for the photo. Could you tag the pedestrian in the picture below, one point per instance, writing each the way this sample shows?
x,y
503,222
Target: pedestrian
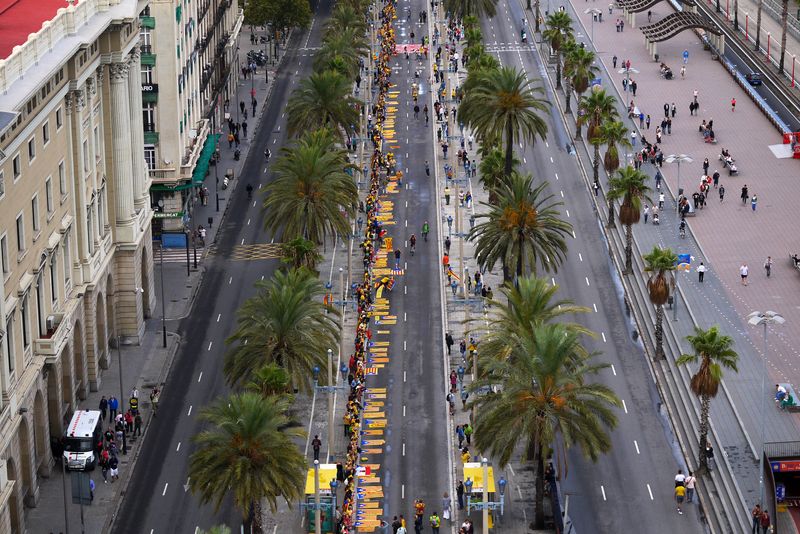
x,y
649,16
103,408
715,177
447,244
230,140
460,494
753,202
641,120
397,259
661,201
743,271
701,271
669,126
137,425
764,521
680,493
705,167
241,106
468,433
113,465
710,457
464,397
690,482
446,504
446,262
244,129
614,61
460,435
666,110
596,188
768,266
254,103
113,406
91,490
448,340
744,196
435,522
316,444
633,137
756,513
733,105
104,470
396,524
683,71
721,193
454,287
634,85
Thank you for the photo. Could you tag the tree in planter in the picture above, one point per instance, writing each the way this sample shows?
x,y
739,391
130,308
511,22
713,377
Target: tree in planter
x,y
595,109
501,104
579,70
300,252
521,230
492,170
558,32
279,14
660,263
628,185
714,351
341,51
613,134
323,100
548,400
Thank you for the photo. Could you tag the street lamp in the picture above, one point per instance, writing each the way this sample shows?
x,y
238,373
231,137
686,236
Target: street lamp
x,y
595,13
330,389
678,158
135,291
757,319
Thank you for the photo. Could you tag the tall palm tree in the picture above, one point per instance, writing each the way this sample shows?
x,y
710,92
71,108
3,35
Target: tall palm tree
x,y
596,108
473,36
529,304
503,105
613,134
322,99
579,70
522,229
341,51
629,186
248,453
284,323
547,400
492,169
660,263
714,351
460,9
558,32
346,17
269,380
300,252
312,195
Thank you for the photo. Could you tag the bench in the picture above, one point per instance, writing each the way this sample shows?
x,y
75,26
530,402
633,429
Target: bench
x,y
790,402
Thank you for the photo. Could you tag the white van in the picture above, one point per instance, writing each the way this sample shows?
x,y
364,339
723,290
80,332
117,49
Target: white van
x,y
83,439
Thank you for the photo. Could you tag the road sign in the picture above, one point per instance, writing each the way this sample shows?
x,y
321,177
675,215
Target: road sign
x,y
685,57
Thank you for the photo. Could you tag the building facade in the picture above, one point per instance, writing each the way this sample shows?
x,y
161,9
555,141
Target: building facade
x,y
75,227
188,50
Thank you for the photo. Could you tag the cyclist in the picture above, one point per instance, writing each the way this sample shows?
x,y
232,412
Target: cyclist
x,y
267,154
249,189
425,229
413,242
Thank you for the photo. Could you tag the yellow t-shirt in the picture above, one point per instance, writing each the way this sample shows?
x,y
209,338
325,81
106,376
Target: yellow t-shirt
x,y
680,491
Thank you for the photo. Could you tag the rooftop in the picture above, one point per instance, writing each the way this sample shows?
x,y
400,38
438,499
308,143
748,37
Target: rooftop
x,y
20,18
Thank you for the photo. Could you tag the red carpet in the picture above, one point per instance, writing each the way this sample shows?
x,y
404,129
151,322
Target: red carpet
x,y
19,18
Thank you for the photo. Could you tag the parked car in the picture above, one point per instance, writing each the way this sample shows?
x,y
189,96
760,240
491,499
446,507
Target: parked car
x,y
753,78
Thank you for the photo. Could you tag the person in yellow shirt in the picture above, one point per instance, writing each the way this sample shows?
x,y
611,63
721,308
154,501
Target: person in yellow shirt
x,y
680,493
465,456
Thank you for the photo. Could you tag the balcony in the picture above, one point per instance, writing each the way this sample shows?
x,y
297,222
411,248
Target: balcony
x,y
147,22
148,57
163,176
150,138
51,343
193,151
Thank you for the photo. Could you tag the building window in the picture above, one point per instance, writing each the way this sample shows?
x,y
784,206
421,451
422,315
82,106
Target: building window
x,y
67,257
4,254
62,178
2,183
48,192
147,74
59,119
90,227
45,133
150,156
20,233
31,150
10,343
97,142
17,167
54,277
26,327
35,213
85,156
149,116
101,210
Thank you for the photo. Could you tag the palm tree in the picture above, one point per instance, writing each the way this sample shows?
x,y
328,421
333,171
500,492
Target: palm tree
x,y
579,70
341,51
758,24
322,99
249,452
460,9
269,380
473,36
300,252
216,529
547,400
597,108
714,351
503,105
530,303
629,186
613,134
660,263
492,169
284,323
522,229
346,17
312,194
559,31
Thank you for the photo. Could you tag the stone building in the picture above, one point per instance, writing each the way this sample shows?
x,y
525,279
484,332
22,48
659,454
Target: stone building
x,y
75,221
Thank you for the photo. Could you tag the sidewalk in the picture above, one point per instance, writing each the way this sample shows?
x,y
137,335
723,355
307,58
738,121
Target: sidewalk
x,y
146,365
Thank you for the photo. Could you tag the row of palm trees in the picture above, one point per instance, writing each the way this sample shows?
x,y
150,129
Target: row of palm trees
x,y
249,450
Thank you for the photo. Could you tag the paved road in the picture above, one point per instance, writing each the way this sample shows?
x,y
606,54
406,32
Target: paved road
x,y
156,497
635,478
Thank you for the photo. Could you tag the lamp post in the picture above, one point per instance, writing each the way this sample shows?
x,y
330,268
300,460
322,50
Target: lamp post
x,y
485,498
317,515
595,13
678,158
757,319
135,291
330,389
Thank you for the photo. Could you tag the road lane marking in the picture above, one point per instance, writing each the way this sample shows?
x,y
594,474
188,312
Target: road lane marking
x,y
556,176
218,317
404,449
248,222
230,280
404,344
573,235
551,159
165,489
603,490
404,376
580,256
624,406
613,369
199,378
403,491
567,213
404,410
635,444
562,193
594,306
553,280
604,336
520,492
404,317
587,280
650,492
178,448
242,241
209,344
190,411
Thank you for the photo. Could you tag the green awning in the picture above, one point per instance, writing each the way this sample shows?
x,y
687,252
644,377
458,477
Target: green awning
x,y
170,188
201,168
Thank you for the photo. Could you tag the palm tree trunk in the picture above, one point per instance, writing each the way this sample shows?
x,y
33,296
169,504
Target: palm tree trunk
x,y
628,249
718,8
558,69
660,333
568,94
758,24
538,511
509,148
596,163
784,17
611,222
736,15
520,258
538,14
705,406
